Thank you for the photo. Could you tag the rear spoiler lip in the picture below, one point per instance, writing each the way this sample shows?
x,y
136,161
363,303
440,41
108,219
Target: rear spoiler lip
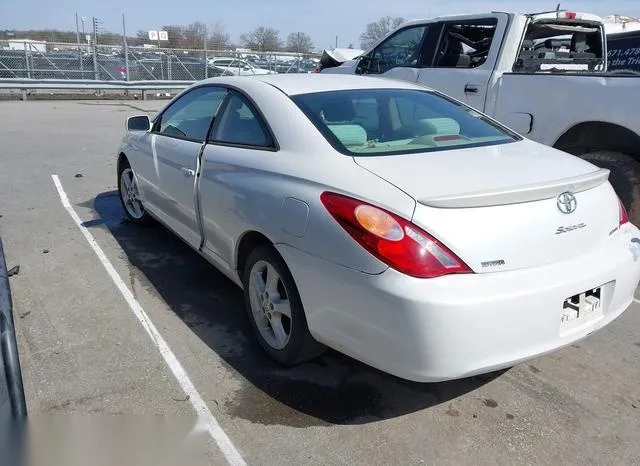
x,y
519,194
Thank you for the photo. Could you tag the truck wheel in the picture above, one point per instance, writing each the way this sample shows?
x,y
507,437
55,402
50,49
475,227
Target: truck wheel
x,y
624,177
275,309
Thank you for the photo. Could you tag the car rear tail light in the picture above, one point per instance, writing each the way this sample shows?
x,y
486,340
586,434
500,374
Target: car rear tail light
x,y
395,241
624,216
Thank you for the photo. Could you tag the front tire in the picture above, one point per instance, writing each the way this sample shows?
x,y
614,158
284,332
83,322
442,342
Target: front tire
x,y
130,195
624,177
275,309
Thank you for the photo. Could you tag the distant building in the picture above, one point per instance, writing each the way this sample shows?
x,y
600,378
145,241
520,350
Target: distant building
x,y
27,44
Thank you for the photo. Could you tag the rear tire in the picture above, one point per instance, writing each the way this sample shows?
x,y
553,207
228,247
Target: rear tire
x,y
624,177
130,195
275,309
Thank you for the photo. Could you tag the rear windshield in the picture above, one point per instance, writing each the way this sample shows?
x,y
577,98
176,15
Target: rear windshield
x,y
365,122
554,46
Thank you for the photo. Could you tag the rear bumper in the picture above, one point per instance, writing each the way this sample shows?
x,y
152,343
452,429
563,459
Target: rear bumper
x,y
461,325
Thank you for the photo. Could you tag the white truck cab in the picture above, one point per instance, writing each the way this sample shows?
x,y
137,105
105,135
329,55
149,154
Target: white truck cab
x,y
544,75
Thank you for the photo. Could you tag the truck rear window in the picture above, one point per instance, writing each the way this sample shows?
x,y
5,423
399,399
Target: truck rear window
x,y
397,121
555,45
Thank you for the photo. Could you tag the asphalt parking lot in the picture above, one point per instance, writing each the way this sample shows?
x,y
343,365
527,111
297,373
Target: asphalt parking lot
x,y
84,351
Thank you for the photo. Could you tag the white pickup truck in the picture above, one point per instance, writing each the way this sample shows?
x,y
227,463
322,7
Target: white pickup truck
x,y
544,75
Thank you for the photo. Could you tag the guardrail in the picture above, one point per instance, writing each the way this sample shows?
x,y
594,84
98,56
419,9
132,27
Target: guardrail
x,y
11,376
80,84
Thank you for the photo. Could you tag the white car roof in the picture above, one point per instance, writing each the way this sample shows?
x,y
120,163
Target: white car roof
x,y
304,83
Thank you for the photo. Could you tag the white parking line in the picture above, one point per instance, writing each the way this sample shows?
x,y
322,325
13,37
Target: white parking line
x,y
206,419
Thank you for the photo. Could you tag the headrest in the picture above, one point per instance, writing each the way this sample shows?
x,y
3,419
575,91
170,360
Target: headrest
x,y
579,42
349,135
440,126
338,110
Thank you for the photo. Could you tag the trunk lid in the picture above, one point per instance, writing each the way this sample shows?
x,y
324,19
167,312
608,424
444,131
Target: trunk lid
x,y
498,207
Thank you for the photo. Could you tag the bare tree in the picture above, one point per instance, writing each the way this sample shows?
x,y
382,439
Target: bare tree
x,y
176,35
378,30
299,42
141,37
218,37
262,39
194,35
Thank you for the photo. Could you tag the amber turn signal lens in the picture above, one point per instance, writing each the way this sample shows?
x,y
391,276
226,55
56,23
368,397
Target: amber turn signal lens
x,y
378,222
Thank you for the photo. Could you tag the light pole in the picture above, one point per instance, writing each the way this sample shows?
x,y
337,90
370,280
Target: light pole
x,y
126,49
96,22
298,51
79,47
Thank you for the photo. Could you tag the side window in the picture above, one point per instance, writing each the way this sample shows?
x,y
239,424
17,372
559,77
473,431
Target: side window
x,y
401,49
189,117
466,45
240,124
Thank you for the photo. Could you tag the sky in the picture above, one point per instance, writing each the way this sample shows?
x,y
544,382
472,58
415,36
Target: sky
x,y
322,20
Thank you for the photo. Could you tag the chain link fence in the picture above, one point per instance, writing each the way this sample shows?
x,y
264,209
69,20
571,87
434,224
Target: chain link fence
x,y
46,60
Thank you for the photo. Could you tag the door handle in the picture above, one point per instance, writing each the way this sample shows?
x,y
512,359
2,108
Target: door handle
x,y
187,171
470,89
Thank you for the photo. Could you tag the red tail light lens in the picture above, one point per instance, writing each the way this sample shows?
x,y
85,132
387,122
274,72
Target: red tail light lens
x,y
624,216
392,239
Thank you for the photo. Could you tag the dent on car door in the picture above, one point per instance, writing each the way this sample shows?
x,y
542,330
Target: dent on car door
x,y
180,132
233,190
464,59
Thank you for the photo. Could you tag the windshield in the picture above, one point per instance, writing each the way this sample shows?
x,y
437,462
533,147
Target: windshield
x,y
396,121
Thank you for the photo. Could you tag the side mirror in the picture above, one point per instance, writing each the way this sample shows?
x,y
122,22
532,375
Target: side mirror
x,y
138,123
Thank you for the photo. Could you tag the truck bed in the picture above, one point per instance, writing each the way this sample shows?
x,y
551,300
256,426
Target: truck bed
x,y
542,107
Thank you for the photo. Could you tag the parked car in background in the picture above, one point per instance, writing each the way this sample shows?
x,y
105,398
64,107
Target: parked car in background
x,y
237,67
383,219
544,75
335,57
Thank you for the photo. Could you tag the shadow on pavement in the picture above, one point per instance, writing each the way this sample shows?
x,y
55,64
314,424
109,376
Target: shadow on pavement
x,y
334,389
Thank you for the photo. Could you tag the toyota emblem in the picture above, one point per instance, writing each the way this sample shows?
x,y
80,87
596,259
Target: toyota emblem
x,y
567,203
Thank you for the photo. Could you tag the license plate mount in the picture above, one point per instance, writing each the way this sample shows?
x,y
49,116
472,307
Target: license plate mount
x,y
581,308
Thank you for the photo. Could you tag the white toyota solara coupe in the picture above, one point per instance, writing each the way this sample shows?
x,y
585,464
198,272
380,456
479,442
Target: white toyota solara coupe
x,y
384,220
